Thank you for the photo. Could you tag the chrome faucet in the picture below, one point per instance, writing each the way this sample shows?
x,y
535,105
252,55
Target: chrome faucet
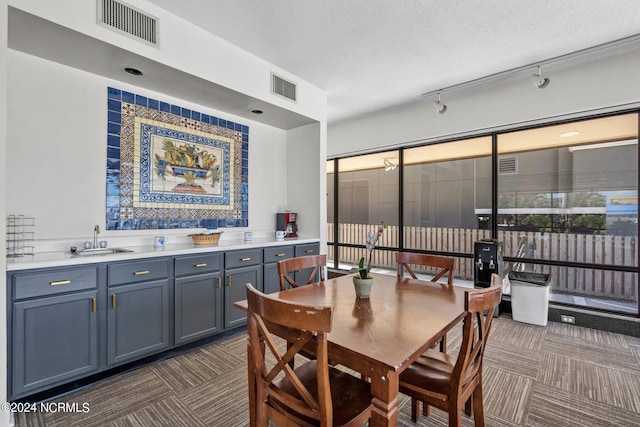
x,y
96,231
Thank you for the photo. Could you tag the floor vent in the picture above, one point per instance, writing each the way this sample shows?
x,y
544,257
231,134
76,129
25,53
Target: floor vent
x,y
128,21
507,165
282,87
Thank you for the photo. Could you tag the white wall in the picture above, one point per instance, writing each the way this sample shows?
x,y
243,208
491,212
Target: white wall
x,y
306,172
608,83
57,128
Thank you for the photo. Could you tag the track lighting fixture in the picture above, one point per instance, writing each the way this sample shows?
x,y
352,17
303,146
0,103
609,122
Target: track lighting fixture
x,y
439,106
539,80
389,165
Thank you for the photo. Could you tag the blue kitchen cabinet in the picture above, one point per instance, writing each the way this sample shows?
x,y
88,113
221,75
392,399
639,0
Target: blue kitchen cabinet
x,y
53,333
138,310
241,267
197,297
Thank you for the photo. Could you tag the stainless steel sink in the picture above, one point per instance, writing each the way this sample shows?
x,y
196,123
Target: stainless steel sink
x,y
101,251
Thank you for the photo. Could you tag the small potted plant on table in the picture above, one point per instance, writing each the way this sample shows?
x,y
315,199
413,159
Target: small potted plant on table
x,y
363,281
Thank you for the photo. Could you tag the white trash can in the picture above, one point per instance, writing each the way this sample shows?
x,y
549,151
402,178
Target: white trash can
x,y
530,297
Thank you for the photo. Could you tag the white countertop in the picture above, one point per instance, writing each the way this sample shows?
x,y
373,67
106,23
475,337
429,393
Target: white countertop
x,y
62,258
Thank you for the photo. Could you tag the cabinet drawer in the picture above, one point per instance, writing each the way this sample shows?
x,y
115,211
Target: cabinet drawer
x,y
139,271
197,264
308,249
243,258
54,282
277,253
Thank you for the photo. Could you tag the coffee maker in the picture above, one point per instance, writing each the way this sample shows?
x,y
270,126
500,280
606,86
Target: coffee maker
x,y
287,222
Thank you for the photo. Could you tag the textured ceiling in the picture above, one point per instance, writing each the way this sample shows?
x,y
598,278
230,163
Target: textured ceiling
x,y
375,54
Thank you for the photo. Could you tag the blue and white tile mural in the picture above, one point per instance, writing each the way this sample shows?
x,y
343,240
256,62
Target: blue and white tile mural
x,y
171,167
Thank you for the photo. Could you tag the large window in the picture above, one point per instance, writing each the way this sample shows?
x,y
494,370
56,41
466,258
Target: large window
x,y
562,198
569,194
447,189
367,196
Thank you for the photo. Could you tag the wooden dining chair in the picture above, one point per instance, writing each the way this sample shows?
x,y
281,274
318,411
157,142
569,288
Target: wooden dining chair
x,y
449,383
314,394
288,266
445,266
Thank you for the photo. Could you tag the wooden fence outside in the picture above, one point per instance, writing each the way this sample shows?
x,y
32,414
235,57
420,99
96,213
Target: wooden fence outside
x,y
581,248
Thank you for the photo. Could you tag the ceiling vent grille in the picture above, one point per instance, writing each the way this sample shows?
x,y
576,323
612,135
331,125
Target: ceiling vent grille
x,y
128,21
507,165
282,87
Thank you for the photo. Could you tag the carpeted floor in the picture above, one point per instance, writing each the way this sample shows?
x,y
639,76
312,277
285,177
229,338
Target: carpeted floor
x,y
559,375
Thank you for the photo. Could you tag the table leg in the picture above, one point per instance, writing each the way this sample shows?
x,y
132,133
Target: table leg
x,y
384,387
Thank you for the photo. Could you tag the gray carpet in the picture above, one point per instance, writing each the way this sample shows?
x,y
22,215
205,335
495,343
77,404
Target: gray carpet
x,y
559,375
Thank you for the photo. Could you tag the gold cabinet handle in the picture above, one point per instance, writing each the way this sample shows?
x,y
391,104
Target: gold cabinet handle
x,y
140,273
202,264
279,254
228,280
219,282
113,301
60,282
245,259
93,305
309,251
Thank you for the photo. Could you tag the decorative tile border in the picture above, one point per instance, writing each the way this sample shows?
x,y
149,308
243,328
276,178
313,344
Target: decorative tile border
x,y
171,167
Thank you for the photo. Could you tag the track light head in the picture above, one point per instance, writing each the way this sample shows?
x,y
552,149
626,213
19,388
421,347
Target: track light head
x,y
389,165
439,106
539,80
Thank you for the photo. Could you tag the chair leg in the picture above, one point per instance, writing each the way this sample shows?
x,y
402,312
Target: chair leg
x,y
455,414
478,409
252,388
415,409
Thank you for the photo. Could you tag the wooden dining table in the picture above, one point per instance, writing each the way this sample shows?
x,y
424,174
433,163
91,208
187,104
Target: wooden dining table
x,y
381,336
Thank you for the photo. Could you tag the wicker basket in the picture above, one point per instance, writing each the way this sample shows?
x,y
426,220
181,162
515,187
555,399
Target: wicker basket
x,y
206,239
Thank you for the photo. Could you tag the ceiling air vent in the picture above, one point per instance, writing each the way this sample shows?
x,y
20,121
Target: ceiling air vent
x,y
128,21
283,87
507,165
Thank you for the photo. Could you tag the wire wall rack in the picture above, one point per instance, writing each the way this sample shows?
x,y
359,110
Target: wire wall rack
x,y
20,236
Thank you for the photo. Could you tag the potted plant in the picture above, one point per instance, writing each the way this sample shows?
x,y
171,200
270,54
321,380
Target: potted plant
x,y
363,281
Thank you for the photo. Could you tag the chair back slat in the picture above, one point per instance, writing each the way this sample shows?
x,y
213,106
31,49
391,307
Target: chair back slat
x,y
288,266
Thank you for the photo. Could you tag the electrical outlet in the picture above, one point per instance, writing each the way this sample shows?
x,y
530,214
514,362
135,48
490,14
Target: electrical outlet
x,y
567,319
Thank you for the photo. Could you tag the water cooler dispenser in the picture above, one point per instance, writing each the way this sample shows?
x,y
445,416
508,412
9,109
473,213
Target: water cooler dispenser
x,y
487,259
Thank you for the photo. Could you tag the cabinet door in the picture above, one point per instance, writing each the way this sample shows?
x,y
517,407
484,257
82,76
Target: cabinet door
x,y
198,307
54,341
235,290
138,321
271,278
